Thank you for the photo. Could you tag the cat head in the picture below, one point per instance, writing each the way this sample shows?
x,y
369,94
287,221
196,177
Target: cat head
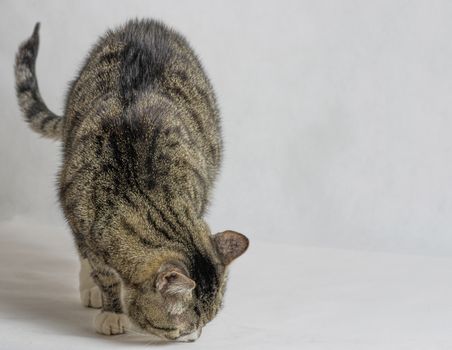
x,y
184,291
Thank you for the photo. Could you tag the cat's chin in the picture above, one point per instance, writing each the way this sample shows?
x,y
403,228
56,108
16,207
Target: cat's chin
x,y
184,338
191,337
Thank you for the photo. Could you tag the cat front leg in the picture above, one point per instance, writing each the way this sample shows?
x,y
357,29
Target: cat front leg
x,y
111,320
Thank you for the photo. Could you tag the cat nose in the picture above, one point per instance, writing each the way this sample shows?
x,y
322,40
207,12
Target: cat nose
x,y
191,336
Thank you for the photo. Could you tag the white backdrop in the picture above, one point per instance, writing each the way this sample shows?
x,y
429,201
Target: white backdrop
x,y
337,114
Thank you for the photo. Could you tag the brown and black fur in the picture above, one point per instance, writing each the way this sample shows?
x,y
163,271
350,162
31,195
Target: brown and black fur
x,y
142,147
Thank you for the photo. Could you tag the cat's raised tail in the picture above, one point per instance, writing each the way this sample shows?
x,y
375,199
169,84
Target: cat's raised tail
x,y
36,113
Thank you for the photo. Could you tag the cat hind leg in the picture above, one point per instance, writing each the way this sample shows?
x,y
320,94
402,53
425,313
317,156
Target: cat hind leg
x,y
90,294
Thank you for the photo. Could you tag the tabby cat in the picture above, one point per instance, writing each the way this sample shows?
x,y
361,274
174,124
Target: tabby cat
x,y
141,150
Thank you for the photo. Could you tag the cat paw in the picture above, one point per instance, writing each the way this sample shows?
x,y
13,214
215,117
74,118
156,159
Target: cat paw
x,y
110,323
91,297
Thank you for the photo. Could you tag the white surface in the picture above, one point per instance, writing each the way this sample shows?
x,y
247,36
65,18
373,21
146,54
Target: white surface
x,y
279,297
337,114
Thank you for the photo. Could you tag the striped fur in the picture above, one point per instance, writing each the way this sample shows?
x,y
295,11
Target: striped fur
x,y
36,113
142,148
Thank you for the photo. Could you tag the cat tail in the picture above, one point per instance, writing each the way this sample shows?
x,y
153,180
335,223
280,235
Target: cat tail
x,y
36,113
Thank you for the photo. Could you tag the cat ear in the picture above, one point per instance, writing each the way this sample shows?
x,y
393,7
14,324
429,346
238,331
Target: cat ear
x,y
230,245
172,282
